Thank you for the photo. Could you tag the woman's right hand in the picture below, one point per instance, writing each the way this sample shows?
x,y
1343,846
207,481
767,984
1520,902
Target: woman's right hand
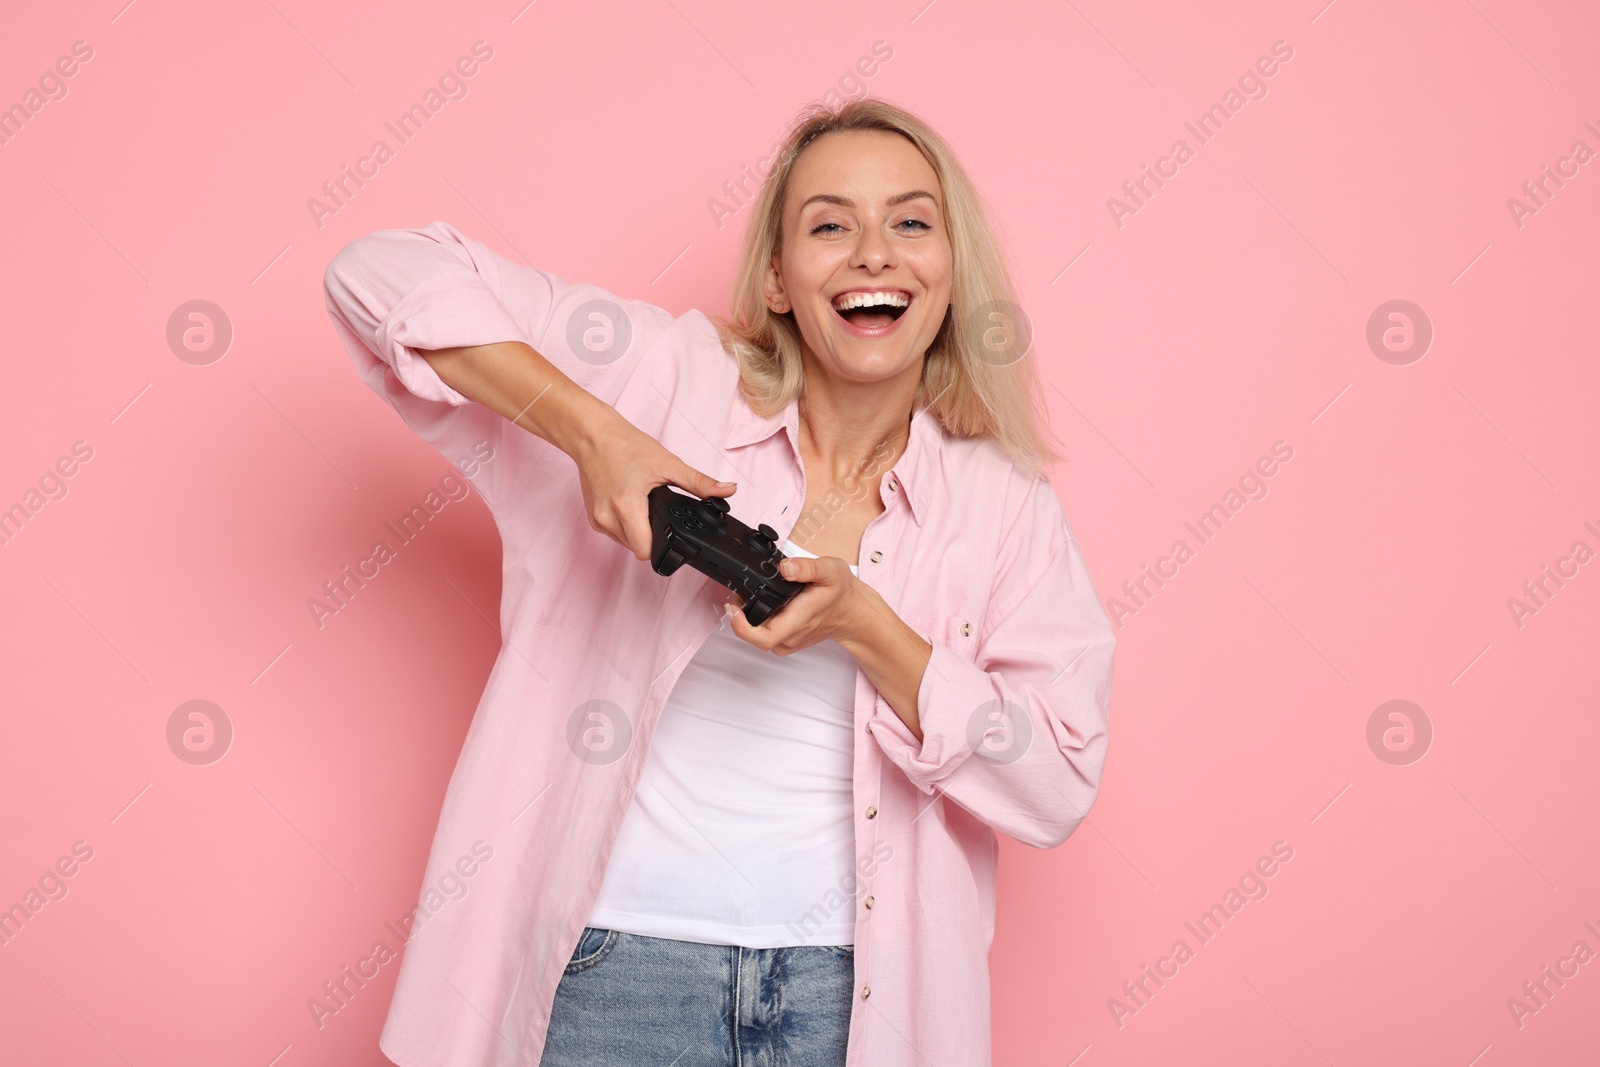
x,y
618,465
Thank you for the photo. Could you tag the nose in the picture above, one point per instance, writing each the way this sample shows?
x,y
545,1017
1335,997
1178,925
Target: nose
x,y
872,248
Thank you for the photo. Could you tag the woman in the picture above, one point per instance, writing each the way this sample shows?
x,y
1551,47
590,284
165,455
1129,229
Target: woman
x,y
712,842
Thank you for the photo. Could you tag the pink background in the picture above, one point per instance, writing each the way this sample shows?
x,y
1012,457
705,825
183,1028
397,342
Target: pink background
x,y
1228,313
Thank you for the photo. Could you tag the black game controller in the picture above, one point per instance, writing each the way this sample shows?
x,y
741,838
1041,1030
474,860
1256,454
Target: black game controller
x,y
701,533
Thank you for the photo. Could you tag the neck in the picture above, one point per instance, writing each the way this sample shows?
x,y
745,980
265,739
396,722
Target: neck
x,y
857,428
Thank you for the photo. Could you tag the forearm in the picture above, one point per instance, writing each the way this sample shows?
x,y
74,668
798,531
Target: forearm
x,y
514,380
893,656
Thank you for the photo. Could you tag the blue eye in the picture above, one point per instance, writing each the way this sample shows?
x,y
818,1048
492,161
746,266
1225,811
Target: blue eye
x,y
837,228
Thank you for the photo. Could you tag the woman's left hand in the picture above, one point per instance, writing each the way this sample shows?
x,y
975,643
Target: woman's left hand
x,y
836,604
833,605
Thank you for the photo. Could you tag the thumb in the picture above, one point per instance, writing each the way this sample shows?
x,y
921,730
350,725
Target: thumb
x,y
799,569
704,485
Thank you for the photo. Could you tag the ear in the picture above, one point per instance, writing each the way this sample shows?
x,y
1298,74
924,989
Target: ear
x,y
772,287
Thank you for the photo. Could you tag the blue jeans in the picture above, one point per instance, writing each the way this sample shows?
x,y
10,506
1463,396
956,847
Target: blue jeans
x,y
628,1000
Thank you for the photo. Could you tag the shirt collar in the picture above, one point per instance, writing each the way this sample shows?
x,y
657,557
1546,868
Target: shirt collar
x,y
913,472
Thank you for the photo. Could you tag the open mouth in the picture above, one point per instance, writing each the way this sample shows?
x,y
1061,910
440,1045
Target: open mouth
x,y
872,310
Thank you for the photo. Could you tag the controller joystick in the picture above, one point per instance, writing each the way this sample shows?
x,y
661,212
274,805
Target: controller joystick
x,y
703,534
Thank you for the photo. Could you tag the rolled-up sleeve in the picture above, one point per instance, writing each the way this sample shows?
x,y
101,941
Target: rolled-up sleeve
x,y
1017,734
395,293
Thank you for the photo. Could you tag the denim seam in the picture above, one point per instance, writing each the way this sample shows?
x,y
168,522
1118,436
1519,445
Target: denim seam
x,y
597,956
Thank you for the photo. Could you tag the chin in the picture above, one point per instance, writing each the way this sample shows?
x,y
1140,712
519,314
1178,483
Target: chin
x,y
869,366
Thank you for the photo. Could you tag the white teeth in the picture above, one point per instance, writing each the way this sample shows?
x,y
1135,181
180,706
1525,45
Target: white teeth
x,y
861,300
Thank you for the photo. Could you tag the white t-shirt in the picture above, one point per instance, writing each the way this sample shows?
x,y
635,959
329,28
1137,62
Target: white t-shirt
x,y
741,831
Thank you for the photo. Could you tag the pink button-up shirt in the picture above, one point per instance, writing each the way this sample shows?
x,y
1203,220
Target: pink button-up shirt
x,y
972,552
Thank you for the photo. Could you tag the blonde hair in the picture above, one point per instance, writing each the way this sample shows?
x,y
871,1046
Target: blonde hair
x,y
969,393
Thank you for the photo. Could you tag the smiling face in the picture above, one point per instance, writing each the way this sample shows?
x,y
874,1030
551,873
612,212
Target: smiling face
x,y
866,262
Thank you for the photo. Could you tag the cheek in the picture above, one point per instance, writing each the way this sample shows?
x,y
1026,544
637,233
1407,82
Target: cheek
x,y
803,271
813,322
942,268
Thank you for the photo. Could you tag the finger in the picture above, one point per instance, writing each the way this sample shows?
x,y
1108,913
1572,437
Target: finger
x,y
763,637
603,520
785,644
634,518
739,624
798,569
701,485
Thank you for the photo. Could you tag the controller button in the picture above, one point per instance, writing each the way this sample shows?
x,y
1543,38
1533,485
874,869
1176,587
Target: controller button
x,y
718,503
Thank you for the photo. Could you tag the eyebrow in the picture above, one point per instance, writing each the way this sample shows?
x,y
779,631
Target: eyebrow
x,y
843,201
